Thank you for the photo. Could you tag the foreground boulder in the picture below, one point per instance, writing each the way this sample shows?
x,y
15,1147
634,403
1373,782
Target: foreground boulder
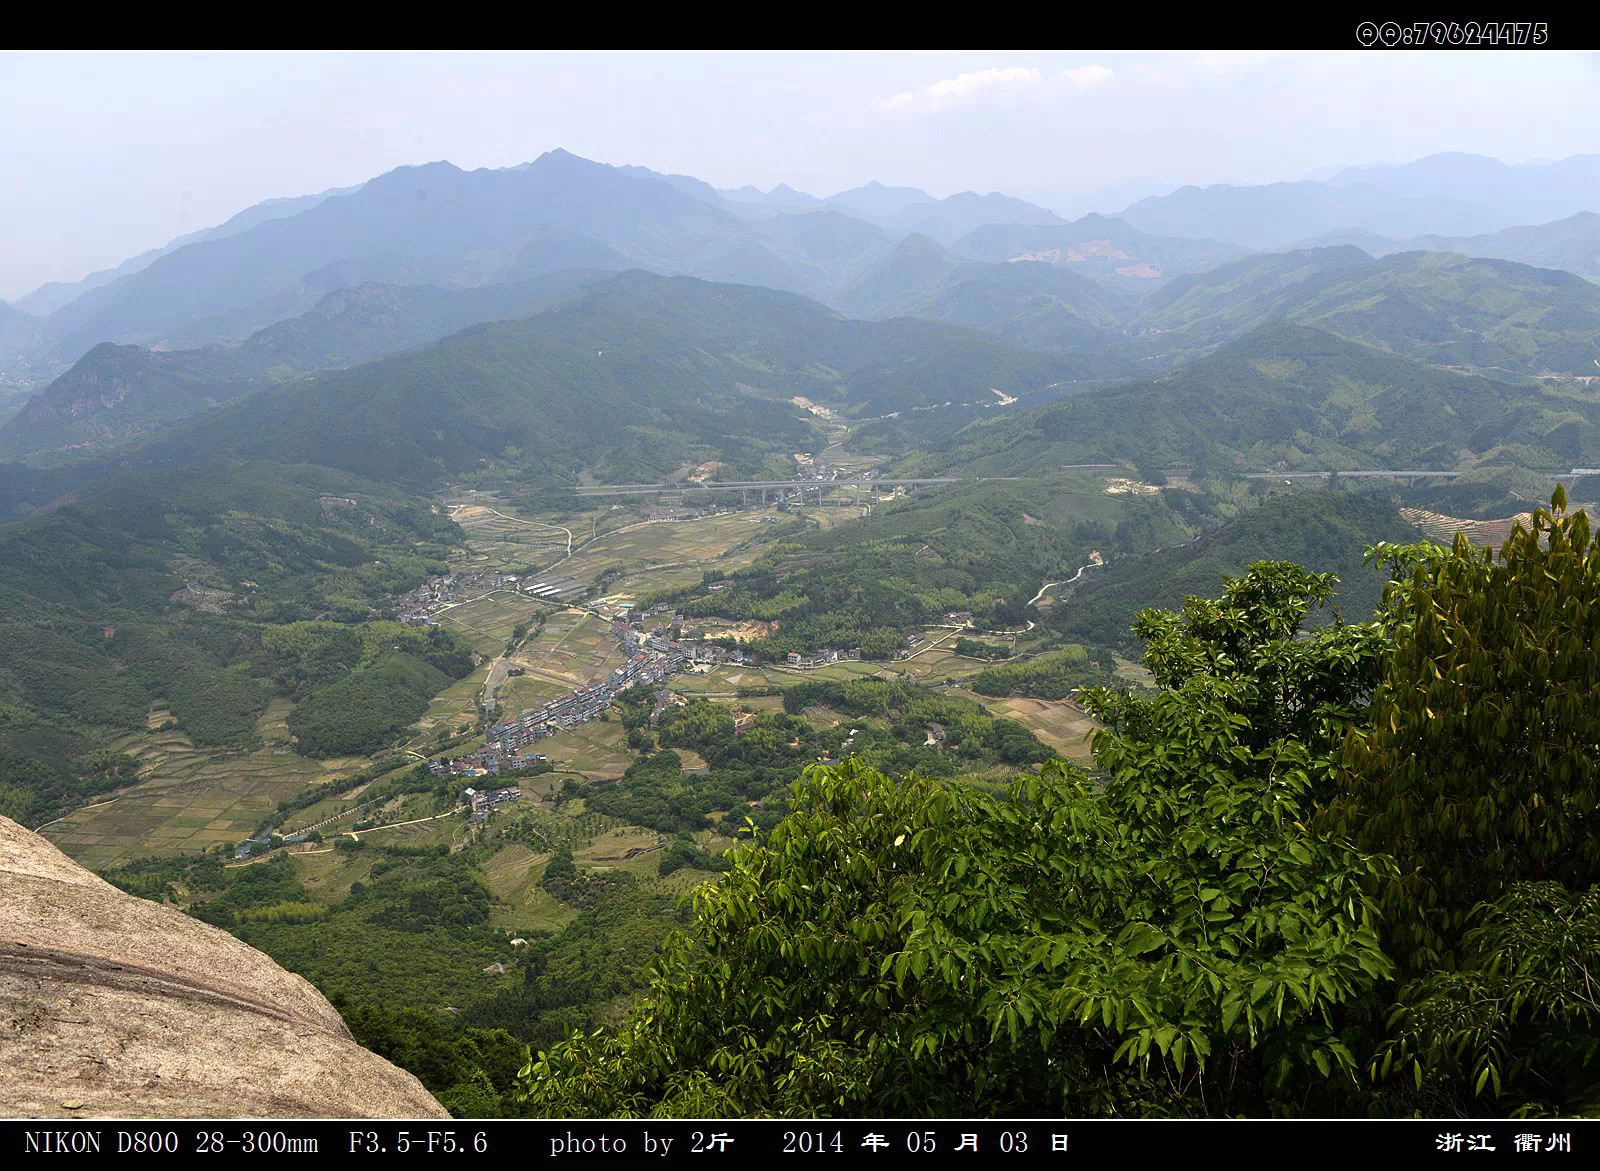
x,y
111,1005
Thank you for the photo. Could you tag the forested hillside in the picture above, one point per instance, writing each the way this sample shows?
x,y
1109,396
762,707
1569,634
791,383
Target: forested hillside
x,y
115,395
983,548
158,587
1327,532
1290,398
1492,316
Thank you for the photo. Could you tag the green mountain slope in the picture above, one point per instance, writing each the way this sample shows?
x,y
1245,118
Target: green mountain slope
x,y
1325,531
1284,397
1435,307
1030,304
116,394
157,586
633,379
981,547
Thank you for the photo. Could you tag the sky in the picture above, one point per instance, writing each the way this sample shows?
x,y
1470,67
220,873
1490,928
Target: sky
x,y
111,154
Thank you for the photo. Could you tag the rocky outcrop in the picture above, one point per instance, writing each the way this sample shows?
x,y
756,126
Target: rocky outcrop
x,y
112,1005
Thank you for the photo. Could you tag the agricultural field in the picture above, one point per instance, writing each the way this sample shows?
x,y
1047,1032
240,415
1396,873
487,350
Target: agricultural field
x,y
595,750
520,903
575,648
487,622
691,545
452,707
1056,722
191,799
500,540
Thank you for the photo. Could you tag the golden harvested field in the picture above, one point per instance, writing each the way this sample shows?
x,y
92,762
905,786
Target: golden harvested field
x,y
190,800
1055,722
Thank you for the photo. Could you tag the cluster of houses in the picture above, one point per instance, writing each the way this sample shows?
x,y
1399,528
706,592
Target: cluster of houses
x,y
418,606
636,640
823,657
653,658
485,802
486,761
915,643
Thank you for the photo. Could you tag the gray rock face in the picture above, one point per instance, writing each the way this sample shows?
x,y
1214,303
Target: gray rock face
x,y
112,1005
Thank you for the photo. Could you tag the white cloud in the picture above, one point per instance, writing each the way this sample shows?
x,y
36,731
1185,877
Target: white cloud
x,y
964,87
1087,75
1227,60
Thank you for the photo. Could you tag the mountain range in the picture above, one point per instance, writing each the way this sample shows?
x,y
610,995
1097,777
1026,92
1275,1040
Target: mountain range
x,y
1286,397
1572,244
858,251
1444,194
557,393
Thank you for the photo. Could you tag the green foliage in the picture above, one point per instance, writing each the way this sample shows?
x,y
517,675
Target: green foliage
x,y
470,1071
1479,768
1515,1018
974,648
907,948
1326,530
366,709
1050,676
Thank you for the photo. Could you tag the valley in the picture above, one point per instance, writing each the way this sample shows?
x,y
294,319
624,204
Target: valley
x,y
589,623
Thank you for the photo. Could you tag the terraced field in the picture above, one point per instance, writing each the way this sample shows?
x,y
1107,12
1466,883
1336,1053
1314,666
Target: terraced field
x,y
498,539
487,622
594,750
1056,722
193,799
575,648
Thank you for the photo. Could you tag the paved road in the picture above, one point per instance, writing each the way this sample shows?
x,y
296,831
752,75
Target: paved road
x,y
740,485
1389,473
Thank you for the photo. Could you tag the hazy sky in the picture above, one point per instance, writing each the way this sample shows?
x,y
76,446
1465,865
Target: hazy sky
x,y
110,154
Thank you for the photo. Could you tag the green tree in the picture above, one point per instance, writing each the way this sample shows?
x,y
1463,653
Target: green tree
x,y
1171,938
1477,773
1479,768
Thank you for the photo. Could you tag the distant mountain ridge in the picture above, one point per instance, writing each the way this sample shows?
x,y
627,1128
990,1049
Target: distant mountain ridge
x,y
116,393
1441,195
1103,247
1283,397
631,378
1434,307
1571,244
437,225
54,295
1036,305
